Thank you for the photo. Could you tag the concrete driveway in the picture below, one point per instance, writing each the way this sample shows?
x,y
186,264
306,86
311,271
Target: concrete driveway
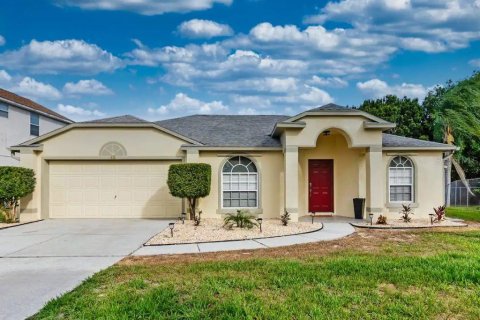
x,y
42,260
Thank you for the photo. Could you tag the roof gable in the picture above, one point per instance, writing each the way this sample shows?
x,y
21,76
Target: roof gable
x,y
126,121
25,103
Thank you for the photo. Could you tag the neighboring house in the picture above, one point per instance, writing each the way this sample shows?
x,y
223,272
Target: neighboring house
x,y
22,119
316,161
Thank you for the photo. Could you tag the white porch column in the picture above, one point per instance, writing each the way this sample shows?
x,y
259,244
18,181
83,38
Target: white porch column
x,y
375,185
291,181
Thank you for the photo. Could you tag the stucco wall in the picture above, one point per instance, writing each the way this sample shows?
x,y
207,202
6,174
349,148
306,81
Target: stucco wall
x,y
271,176
348,167
355,133
429,183
87,142
16,129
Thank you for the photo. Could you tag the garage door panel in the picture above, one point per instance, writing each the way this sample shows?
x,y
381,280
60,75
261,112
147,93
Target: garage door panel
x,y
91,182
108,189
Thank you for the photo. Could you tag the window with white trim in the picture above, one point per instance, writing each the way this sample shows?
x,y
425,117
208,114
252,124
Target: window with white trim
x,y
239,183
3,110
401,180
34,124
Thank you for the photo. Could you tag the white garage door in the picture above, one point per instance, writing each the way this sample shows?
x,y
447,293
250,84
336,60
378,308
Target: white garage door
x,y
111,189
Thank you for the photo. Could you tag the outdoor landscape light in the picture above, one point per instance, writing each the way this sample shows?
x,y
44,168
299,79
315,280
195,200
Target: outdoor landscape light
x,y
371,218
260,220
431,217
313,216
184,216
171,225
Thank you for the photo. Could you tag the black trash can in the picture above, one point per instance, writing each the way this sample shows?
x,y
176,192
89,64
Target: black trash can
x,y
358,207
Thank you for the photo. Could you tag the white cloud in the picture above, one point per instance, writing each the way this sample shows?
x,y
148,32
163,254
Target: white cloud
x,y
89,87
317,36
430,26
36,89
316,96
475,63
247,111
266,85
2,40
4,76
78,113
185,104
142,55
197,28
376,88
333,82
306,96
60,56
249,102
146,7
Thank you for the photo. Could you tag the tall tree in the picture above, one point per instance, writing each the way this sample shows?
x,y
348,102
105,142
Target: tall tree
x,y
407,113
454,115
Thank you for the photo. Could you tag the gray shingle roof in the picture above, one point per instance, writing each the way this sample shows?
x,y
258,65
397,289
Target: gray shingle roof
x,y
120,120
227,130
393,141
249,130
332,107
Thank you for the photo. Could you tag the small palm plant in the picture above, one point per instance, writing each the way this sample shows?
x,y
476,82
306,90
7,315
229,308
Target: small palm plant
x,y
406,212
242,219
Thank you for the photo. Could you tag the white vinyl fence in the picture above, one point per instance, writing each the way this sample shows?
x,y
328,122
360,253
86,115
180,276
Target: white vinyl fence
x,y
459,196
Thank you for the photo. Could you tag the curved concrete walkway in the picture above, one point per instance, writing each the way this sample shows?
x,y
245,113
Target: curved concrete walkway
x,y
332,230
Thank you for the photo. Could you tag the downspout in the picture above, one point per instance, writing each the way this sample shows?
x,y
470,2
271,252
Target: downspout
x,y
448,176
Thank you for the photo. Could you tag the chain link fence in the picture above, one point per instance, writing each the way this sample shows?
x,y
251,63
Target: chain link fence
x,y
460,197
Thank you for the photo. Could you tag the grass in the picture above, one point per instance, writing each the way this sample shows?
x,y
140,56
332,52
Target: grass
x,y
371,275
466,213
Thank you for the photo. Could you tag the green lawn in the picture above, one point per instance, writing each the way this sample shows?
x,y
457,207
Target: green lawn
x,y
466,213
372,275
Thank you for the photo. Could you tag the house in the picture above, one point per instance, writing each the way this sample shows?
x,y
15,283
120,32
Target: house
x,y
22,119
316,161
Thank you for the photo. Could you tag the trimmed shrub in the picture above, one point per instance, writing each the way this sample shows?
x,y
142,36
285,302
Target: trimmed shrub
x,y
190,181
15,183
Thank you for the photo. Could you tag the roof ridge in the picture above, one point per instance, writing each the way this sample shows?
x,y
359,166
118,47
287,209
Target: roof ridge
x,y
225,115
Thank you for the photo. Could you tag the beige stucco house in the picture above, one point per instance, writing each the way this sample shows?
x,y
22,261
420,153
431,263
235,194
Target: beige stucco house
x,y
316,161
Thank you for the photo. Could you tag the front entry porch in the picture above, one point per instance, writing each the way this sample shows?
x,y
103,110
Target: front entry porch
x,y
325,179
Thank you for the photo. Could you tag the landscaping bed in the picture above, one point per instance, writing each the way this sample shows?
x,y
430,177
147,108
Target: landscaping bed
x,y
414,224
213,230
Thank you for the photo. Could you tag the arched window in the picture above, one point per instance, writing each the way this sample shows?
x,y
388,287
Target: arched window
x,y
112,150
239,183
401,180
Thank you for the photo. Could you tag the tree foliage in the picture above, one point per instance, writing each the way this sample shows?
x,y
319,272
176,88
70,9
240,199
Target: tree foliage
x,y
407,113
456,107
452,107
15,183
190,181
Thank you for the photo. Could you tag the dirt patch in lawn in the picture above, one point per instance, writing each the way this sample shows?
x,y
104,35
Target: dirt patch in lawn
x,y
364,240
213,230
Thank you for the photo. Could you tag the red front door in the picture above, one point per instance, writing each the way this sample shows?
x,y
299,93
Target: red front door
x,y
320,185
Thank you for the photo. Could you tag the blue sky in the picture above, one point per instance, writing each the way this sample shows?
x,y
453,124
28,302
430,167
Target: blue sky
x,y
159,59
